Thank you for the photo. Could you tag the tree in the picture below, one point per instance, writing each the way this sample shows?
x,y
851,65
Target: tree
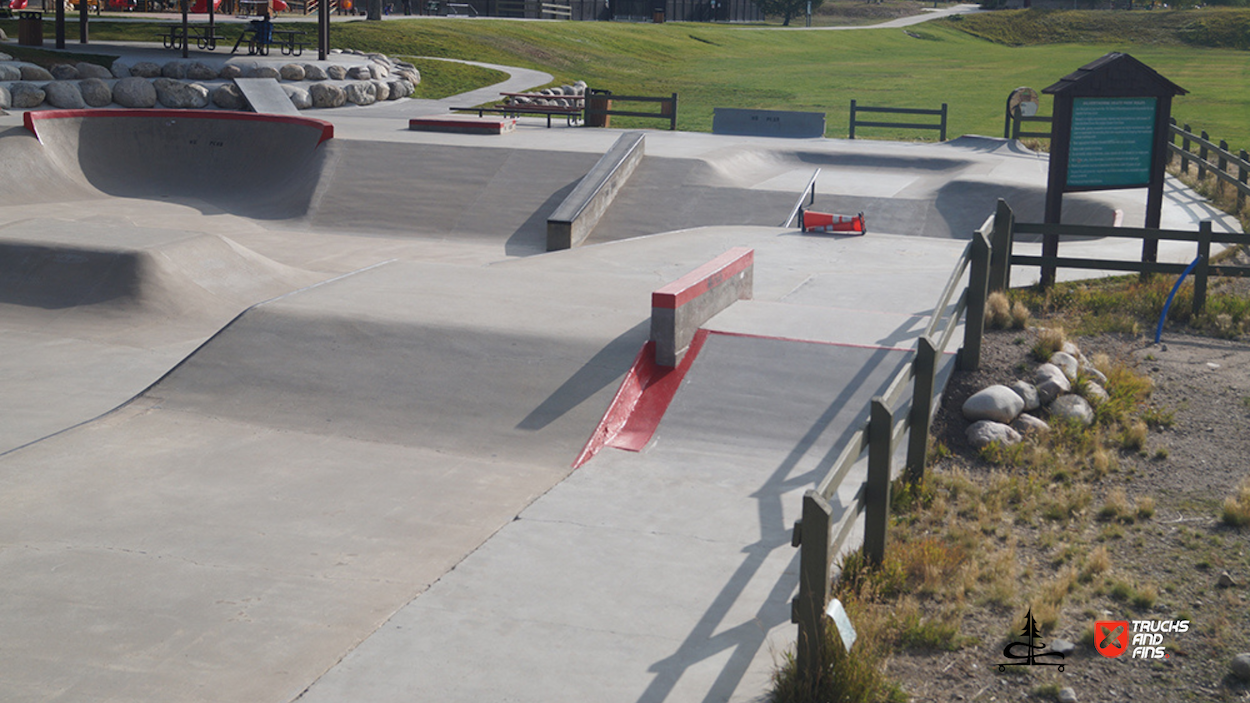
x,y
788,9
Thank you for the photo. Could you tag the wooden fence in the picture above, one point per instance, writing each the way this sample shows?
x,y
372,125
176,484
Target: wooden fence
x,y
600,103
816,535
856,108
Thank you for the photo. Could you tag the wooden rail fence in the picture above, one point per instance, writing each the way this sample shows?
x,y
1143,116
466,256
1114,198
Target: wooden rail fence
x,y
856,108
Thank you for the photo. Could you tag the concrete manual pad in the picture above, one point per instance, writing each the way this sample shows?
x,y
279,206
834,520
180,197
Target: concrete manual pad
x,y
265,95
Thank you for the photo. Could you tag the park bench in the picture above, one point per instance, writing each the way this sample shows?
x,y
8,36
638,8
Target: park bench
x,y
572,113
287,40
205,37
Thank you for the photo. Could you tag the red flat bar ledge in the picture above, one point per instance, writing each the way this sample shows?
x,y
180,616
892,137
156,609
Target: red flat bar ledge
x,y
703,279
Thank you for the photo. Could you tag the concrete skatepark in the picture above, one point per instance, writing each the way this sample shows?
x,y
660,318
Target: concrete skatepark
x,y
303,428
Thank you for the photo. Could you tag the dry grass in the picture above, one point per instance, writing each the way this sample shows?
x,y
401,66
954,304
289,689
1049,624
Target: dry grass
x,y
1049,341
1236,510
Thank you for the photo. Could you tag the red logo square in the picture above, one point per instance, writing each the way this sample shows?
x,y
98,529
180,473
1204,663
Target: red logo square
x,y
1111,637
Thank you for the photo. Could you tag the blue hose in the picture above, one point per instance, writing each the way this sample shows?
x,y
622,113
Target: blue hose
x,y
1168,305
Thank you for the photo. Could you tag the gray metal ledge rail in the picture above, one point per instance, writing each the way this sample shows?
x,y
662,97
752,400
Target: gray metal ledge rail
x,y
914,384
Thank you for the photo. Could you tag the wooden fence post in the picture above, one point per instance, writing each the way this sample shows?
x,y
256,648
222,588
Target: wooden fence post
x,y
978,289
809,605
1223,160
1202,157
925,371
943,138
1242,172
1000,249
1185,151
877,487
1204,262
852,119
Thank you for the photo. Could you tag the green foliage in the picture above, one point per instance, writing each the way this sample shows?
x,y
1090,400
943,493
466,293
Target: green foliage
x,y
786,9
443,79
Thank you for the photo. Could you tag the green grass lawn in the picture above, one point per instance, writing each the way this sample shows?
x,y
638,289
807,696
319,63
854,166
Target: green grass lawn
x,y
727,66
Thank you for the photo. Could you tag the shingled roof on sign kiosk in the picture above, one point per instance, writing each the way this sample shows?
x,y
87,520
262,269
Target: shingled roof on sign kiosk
x,y
1115,75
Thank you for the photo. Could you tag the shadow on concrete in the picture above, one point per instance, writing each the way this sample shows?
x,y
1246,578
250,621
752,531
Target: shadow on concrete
x,y
531,236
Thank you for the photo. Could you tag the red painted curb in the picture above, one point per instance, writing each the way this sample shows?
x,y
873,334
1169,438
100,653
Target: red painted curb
x,y
703,279
327,130
640,403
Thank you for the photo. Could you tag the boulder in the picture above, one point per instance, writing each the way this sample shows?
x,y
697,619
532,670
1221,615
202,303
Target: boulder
x,y
1050,382
121,69
1072,407
336,72
359,73
1095,394
230,71
361,93
1240,666
1067,363
228,97
313,72
199,71
1066,695
23,95
998,403
174,69
63,72
93,70
399,88
1062,646
179,95
299,97
145,69
262,72
411,75
982,434
379,70
326,95
1028,393
4,56
95,92
10,73
292,72
6,100
1028,424
1093,374
31,72
134,92
382,90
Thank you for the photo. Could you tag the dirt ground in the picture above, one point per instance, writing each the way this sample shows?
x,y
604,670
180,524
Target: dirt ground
x,y
1188,468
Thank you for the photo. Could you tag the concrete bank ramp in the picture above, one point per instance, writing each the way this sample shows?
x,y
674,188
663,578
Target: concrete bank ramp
x,y
260,166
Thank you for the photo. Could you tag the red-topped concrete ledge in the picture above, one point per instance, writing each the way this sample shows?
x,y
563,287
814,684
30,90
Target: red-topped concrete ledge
x,y
680,308
463,124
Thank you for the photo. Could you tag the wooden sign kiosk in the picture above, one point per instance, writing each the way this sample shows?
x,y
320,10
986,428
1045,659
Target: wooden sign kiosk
x,y
1109,132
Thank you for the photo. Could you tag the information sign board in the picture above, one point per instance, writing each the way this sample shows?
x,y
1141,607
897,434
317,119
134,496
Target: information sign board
x,y
1112,143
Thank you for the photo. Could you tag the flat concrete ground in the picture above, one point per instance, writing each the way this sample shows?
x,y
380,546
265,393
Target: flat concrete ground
x,y
312,435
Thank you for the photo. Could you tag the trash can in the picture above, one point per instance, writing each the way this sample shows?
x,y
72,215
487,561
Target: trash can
x,y
30,28
598,100
657,17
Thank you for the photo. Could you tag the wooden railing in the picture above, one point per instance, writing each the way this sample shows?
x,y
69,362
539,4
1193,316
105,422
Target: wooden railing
x,y
816,535
1223,157
600,103
856,108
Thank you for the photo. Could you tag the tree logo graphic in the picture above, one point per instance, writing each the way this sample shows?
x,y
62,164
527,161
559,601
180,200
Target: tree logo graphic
x,y
1031,645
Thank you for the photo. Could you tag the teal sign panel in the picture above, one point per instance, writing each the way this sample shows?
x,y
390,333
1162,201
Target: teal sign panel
x,y
1112,142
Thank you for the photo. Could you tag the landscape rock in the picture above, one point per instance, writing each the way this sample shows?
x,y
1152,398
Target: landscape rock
x,y
291,72
382,90
93,70
1095,394
228,97
31,72
262,72
198,71
1028,393
998,403
9,72
1241,666
359,73
145,69
134,92
64,95
399,88
121,69
95,92
379,70
313,72
1029,424
6,100
1226,580
1066,695
179,95
326,95
63,72
1072,407
299,97
1067,363
336,72
4,56
1093,374
985,432
1062,646
23,95
411,75
174,69
361,93
230,71
1050,382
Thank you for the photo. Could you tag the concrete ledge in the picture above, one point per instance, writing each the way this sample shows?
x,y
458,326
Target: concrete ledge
x,y
768,123
680,308
577,216
31,119
463,124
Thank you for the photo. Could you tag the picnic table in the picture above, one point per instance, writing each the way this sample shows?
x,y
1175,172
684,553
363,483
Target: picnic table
x,y
205,36
289,41
571,112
